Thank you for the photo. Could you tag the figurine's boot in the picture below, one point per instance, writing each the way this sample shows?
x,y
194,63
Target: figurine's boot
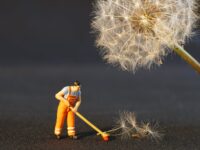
x,y
71,124
61,115
74,137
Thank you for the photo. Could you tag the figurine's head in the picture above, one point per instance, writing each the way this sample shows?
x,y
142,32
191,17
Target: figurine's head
x,y
77,83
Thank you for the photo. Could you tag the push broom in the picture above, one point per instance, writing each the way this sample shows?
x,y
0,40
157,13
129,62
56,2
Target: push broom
x,y
104,135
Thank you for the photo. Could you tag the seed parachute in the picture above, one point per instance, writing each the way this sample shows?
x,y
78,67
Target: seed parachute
x,y
128,127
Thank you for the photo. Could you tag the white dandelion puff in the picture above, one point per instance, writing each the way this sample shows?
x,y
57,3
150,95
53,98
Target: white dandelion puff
x,y
138,33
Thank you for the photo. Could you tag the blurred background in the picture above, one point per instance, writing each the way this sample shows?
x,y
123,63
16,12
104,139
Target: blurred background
x,y
47,44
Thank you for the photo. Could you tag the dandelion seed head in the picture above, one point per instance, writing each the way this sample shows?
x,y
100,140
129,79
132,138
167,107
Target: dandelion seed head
x,y
137,33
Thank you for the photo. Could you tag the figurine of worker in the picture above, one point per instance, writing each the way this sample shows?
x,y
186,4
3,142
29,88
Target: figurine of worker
x,y
70,100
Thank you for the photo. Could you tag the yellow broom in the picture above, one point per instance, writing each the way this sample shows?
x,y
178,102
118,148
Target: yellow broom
x,y
104,135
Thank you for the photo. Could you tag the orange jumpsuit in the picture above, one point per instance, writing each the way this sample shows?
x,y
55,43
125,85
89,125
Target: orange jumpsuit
x,y
64,112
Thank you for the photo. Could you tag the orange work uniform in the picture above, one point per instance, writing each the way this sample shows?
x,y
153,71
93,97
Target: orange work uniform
x,y
64,112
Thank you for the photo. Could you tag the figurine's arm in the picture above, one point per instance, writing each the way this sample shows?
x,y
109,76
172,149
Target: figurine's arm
x,y
78,103
60,96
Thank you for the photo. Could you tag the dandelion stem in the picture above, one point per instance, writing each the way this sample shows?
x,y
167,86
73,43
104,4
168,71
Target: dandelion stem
x,y
187,57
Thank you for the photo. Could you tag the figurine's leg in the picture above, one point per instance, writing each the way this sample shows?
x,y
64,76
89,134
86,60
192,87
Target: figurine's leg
x,y
61,115
71,123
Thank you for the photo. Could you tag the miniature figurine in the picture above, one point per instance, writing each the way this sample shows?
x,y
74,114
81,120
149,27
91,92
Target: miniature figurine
x,y
70,100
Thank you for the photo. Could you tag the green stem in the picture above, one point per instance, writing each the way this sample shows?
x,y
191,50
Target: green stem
x,y
187,57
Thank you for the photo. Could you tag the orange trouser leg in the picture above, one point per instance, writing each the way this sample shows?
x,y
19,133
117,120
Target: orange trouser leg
x,y
71,123
61,115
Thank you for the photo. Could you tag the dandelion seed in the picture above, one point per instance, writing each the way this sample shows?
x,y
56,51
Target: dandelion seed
x,y
151,131
128,127
131,119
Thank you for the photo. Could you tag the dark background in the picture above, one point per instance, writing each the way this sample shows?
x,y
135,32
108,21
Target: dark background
x,y
51,31
47,44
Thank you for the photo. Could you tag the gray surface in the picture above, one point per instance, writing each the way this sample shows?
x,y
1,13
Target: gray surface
x,y
169,94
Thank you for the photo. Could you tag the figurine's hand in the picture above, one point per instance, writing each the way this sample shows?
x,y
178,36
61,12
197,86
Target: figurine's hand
x,y
67,103
73,109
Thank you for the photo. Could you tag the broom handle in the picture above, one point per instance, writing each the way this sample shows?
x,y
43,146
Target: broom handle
x,y
88,122
187,57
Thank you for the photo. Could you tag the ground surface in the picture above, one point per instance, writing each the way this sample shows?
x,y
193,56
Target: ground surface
x,y
169,94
